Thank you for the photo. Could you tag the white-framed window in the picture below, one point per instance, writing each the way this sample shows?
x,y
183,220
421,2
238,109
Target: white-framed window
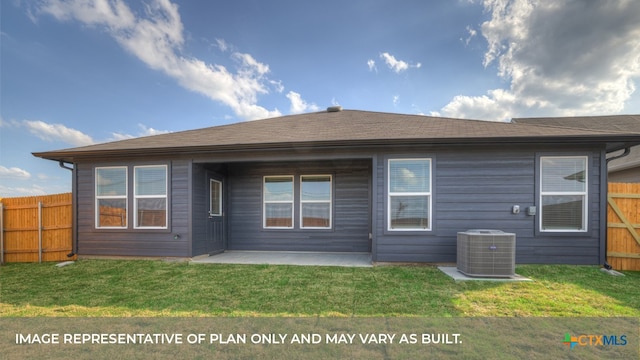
x,y
278,202
315,201
409,195
150,196
111,197
215,202
563,193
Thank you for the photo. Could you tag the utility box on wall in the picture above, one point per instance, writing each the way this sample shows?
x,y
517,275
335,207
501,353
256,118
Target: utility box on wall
x,y
486,253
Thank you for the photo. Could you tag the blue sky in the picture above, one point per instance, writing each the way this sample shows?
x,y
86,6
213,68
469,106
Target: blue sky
x,y
78,72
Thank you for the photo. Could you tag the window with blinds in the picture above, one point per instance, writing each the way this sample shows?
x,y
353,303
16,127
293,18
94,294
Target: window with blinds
x,y
150,196
111,197
409,195
315,201
278,202
563,193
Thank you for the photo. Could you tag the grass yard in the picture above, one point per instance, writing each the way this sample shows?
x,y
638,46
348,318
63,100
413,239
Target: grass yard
x,y
105,288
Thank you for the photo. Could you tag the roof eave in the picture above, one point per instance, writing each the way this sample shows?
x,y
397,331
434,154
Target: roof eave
x,y
612,143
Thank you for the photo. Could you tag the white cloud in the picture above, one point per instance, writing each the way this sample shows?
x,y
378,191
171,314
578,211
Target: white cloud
x,y
17,191
471,33
250,65
116,136
372,65
495,106
97,12
14,173
277,85
396,65
144,131
560,59
148,131
57,132
156,38
222,45
396,100
298,105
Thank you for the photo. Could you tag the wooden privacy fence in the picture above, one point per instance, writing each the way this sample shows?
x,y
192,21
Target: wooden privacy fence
x,y
623,228
36,228
39,228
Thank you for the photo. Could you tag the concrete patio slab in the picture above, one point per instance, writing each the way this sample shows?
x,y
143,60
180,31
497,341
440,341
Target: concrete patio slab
x,y
453,272
288,258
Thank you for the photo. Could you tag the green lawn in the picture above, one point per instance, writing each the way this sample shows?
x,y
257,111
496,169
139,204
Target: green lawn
x,y
155,288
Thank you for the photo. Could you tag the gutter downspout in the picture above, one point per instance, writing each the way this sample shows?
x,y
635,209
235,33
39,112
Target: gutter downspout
x,y
62,165
74,243
627,151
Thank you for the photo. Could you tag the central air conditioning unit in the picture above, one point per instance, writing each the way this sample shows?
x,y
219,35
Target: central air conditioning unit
x,y
486,253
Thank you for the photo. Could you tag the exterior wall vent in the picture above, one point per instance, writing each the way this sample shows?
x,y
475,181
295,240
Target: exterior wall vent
x,y
334,108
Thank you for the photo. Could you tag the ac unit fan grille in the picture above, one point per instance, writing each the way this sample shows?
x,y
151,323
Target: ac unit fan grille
x,y
486,253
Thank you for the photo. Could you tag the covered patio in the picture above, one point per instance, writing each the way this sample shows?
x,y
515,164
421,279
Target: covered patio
x,y
302,258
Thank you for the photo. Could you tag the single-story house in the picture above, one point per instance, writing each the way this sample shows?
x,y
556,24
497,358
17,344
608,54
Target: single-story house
x,y
399,187
622,168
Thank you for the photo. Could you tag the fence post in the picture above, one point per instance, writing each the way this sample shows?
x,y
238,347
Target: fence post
x,y
1,233
39,231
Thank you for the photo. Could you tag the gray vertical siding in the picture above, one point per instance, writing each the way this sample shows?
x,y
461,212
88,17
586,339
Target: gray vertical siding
x,y
350,232
477,189
134,242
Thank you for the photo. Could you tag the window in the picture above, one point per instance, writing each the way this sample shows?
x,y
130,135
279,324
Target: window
x,y
215,203
111,197
409,191
278,202
150,196
563,193
315,201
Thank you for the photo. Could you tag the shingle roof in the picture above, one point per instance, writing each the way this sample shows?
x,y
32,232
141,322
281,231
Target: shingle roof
x,y
624,123
342,128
